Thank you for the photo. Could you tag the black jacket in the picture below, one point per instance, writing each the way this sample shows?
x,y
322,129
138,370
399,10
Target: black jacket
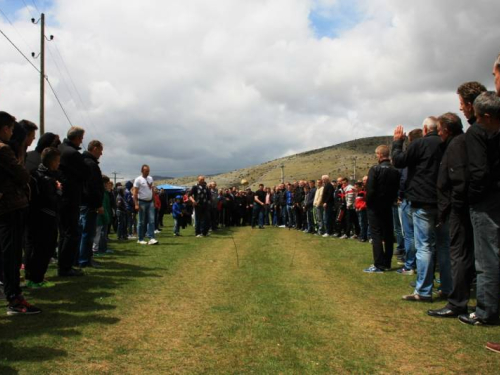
x,y
453,177
298,195
422,158
93,190
483,164
45,197
328,194
74,172
382,186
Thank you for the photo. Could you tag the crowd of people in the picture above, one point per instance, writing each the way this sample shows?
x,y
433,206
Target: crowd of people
x,y
435,193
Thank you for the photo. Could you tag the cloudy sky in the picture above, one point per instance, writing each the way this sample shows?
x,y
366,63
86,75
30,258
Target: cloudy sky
x,y
197,86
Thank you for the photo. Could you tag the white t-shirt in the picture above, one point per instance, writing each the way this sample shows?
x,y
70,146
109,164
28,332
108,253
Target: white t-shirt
x,y
145,188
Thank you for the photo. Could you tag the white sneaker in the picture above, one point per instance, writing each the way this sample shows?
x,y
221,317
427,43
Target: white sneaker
x,y
199,236
344,237
157,231
142,242
132,237
152,241
326,235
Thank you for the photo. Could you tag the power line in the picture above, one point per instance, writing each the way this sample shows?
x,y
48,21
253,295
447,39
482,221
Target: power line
x,y
29,10
15,28
18,50
36,7
60,104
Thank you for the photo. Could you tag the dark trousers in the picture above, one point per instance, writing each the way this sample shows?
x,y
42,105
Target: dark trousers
x,y
201,220
258,215
329,219
382,232
299,218
12,229
41,241
69,235
462,260
352,224
214,218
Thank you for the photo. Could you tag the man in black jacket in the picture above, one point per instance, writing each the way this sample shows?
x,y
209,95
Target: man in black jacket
x,y
483,145
453,202
453,208
422,158
328,203
74,173
381,193
91,205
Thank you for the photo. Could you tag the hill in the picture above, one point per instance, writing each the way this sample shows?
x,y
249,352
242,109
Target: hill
x,y
337,160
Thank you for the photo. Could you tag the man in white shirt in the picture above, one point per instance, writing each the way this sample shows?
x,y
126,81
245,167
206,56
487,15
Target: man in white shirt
x,y
144,203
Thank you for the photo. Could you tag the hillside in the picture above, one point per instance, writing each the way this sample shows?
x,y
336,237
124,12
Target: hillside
x,y
337,160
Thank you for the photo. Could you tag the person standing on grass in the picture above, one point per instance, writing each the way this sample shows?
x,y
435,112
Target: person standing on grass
x,y
200,199
328,205
258,207
483,148
381,192
360,206
422,158
13,210
131,212
121,213
41,234
453,203
410,262
91,205
177,214
318,208
144,204
74,174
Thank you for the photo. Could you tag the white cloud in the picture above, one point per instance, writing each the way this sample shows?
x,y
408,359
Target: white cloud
x,y
202,87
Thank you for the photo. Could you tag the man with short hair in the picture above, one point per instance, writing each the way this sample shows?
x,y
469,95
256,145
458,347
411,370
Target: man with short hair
x,y
483,145
91,206
74,173
467,93
381,192
200,198
144,204
422,158
30,129
258,207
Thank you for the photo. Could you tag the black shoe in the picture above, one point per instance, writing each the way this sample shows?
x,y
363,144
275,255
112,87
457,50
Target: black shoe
x,y
473,320
445,312
72,272
19,306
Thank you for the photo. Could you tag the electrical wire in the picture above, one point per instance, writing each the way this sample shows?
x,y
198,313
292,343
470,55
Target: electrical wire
x,y
60,104
36,7
18,50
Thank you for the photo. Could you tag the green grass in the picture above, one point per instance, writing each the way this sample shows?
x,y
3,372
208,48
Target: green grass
x,y
268,302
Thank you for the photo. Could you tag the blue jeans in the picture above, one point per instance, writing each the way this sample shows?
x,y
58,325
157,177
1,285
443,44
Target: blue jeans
x,y
311,225
290,212
258,214
400,240
88,223
407,225
176,225
363,224
146,220
430,239
485,219
328,219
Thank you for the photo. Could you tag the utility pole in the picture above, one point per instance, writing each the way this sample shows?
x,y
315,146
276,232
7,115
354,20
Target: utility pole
x,y
114,178
355,160
42,70
282,173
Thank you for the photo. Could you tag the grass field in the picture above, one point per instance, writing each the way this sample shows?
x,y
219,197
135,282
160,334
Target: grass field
x,y
241,301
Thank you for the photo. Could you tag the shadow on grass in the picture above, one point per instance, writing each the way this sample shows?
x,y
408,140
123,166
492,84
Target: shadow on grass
x,y
72,304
